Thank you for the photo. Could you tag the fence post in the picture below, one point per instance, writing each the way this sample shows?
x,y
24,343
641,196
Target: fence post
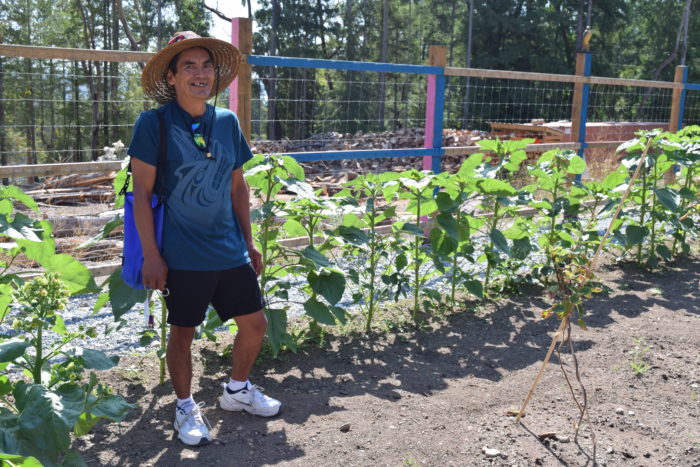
x,y
434,106
240,98
678,99
579,109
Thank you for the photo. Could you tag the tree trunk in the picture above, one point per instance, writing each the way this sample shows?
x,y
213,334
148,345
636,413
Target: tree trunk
x,y
465,112
3,143
383,58
272,81
78,148
114,78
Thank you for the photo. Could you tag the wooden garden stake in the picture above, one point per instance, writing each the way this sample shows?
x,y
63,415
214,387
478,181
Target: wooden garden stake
x,y
565,320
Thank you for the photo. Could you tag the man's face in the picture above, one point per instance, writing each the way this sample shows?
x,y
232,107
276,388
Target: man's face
x,y
195,74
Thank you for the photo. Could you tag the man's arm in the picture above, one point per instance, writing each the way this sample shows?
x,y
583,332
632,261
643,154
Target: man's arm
x,y
240,200
154,270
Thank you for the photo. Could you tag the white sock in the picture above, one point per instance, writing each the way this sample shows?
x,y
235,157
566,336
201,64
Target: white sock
x,y
186,404
234,385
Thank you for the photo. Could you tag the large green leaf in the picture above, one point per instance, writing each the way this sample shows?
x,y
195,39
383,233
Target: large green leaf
x,y
635,234
312,254
113,407
449,224
21,227
122,298
668,198
45,419
14,459
319,311
74,275
5,300
11,350
11,191
328,283
353,235
294,228
521,248
495,187
276,328
577,165
474,287
94,359
499,241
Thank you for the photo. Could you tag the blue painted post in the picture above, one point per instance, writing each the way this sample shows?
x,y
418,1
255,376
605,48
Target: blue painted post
x,y
581,94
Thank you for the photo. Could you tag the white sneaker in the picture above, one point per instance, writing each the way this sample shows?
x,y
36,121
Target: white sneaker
x,y
251,399
193,427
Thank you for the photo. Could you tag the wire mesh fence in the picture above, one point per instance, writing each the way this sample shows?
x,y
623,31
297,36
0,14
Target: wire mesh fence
x,y
476,103
304,109
691,114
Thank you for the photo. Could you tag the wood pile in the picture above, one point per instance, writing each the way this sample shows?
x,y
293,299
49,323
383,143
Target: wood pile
x,y
396,139
75,189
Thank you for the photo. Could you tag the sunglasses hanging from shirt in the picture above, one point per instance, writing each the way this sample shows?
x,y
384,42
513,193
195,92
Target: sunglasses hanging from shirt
x,y
199,140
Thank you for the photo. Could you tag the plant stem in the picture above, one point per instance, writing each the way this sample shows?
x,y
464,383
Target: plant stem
x,y
38,359
684,204
416,266
642,214
489,247
372,265
652,247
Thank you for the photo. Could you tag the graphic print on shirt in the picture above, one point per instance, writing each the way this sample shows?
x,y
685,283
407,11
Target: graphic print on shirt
x,y
201,194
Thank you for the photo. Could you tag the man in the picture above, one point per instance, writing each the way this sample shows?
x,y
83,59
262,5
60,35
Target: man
x,y
208,254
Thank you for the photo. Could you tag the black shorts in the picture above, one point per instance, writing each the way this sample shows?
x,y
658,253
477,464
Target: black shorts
x,y
232,292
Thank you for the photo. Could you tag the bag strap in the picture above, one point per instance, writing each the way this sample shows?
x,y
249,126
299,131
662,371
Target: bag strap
x,y
162,159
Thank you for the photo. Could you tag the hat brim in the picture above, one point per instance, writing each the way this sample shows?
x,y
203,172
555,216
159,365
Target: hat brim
x,y
226,57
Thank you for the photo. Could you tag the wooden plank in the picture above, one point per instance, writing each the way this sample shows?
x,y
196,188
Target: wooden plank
x,y
241,89
30,51
42,170
675,124
525,127
529,76
467,150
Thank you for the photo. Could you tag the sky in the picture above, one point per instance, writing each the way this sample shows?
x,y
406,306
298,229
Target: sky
x,y
232,9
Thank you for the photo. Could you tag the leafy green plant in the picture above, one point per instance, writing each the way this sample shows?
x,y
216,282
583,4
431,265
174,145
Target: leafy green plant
x,y
37,417
687,156
268,176
557,200
375,263
451,240
501,200
653,205
417,188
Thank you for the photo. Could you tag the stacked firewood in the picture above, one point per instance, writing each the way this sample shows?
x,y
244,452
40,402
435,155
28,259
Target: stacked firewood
x,y
75,189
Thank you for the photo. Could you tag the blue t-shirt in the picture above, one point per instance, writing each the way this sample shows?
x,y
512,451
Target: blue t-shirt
x,y
200,229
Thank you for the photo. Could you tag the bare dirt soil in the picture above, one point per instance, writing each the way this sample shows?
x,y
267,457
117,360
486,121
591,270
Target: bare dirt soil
x,y
439,395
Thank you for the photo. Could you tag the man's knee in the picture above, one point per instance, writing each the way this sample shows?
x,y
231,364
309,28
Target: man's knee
x,y
252,324
180,338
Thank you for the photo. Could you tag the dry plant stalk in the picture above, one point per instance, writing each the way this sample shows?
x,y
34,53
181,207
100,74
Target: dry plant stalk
x,y
565,324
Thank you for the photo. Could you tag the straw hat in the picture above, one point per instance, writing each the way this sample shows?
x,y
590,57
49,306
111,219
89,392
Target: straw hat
x,y
226,58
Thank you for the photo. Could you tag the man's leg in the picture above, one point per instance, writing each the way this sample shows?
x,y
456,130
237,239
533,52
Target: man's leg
x,y
246,347
179,359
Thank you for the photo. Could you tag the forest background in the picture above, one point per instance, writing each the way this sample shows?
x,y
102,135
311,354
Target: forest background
x,y
50,106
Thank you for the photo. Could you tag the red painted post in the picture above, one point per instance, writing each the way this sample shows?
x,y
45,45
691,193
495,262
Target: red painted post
x,y
437,56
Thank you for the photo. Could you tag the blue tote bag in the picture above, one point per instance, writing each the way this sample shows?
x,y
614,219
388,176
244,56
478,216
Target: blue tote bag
x,y
132,255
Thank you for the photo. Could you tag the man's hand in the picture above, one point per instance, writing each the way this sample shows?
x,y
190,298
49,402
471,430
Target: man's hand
x,y
154,272
255,258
